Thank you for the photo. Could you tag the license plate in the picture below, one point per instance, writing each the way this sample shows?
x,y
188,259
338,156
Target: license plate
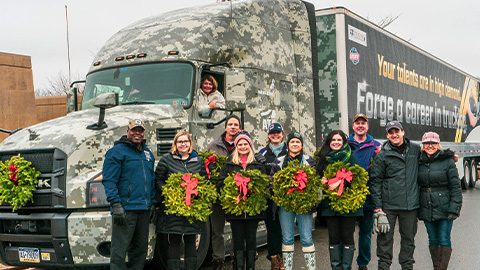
x,y
29,255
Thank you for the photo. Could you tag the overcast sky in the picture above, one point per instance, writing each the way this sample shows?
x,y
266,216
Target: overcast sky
x,y
447,29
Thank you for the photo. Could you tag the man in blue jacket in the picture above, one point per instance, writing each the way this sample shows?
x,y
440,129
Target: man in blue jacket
x,y
128,177
364,149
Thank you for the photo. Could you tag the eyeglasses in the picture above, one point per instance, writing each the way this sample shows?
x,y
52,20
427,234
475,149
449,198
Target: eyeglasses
x,y
183,142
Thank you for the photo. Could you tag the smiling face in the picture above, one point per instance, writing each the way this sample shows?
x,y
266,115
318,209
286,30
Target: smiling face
x,y
336,143
183,145
395,136
295,147
232,128
276,138
135,135
430,148
360,127
207,86
243,147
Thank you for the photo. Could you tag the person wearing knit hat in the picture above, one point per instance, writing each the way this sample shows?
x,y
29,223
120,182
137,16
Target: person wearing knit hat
x,y
244,226
287,219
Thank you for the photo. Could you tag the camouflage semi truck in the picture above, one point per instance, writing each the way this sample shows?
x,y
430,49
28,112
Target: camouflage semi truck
x,y
276,60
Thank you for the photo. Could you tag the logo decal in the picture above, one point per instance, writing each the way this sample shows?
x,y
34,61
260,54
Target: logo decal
x,y
354,55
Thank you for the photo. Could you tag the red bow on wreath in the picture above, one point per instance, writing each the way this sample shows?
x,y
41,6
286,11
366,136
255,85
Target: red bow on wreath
x,y
242,184
301,179
13,176
339,180
208,161
190,185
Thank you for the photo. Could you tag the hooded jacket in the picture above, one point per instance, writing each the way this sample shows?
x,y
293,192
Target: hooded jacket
x,y
128,175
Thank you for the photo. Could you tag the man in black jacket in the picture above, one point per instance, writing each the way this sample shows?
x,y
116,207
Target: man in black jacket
x,y
395,194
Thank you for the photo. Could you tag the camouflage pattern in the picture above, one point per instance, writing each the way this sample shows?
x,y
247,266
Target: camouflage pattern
x,y
327,74
267,44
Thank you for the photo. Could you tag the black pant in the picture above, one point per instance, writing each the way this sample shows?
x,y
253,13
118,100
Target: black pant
x,y
217,220
175,242
274,232
131,238
341,230
244,234
407,226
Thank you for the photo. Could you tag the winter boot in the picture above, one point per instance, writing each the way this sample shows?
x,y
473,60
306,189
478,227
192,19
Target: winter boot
x,y
335,256
218,264
347,257
251,254
239,262
444,254
173,264
191,263
435,254
277,262
309,255
287,252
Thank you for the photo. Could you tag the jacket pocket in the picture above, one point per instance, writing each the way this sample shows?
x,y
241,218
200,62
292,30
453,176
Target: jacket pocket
x,y
441,200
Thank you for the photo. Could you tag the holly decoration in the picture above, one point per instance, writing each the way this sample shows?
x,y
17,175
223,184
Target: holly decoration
x,y
189,195
213,163
297,188
245,192
345,186
18,181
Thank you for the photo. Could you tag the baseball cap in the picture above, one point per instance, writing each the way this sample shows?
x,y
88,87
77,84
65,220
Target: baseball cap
x,y
360,115
133,123
430,137
393,124
275,127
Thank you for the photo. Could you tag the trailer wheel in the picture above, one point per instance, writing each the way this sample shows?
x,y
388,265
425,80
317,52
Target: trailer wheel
x,y
159,260
466,175
473,174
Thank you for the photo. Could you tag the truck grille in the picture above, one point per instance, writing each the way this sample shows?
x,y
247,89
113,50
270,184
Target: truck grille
x,y
52,164
165,138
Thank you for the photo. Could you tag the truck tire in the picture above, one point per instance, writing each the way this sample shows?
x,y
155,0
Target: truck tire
x,y
159,260
473,174
466,174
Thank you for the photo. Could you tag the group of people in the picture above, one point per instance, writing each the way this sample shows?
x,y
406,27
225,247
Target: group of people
x,y
407,182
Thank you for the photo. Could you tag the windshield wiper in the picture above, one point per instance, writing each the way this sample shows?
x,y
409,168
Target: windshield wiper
x,y
138,102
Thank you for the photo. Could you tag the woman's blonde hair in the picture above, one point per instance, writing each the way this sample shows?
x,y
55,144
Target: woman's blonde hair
x,y
182,132
212,80
439,147
236,156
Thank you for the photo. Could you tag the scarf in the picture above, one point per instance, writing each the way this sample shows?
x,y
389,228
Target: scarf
x,y
343,154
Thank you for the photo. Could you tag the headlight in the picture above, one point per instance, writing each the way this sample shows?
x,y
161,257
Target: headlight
x,y
96,196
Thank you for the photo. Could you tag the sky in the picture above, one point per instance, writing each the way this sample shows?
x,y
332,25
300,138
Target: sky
x,y
447,29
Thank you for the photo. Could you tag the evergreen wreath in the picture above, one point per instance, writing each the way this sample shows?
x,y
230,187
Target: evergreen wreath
x,y
189,195
297,188
216,161
18,181
237,200
345,186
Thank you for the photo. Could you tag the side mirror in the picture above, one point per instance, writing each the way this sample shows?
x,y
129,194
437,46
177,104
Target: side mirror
x,y
72,97
103,101
235,90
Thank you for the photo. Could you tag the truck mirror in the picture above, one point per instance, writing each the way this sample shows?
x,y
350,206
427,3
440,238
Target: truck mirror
x,y
103,101
72,100
235,90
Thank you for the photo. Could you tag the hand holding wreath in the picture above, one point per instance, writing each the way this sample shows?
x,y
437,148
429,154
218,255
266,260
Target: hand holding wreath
x,y
18,181
345,186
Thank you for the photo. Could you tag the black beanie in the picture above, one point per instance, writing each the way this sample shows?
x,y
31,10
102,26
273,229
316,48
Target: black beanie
x,y
294,134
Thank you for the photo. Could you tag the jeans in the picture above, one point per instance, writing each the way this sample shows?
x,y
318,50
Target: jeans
x,y
131,238
439,232
175,243
365,225
244,234
341,230
305,226
407,225
274,232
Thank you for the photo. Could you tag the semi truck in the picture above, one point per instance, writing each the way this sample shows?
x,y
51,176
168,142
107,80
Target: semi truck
x,y
275,61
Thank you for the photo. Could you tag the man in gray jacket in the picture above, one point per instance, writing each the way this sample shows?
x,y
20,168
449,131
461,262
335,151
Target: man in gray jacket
x,y
395,195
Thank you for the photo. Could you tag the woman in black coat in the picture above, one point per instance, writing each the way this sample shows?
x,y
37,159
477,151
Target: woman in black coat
x,y
341,227
244,227
182,158
440,197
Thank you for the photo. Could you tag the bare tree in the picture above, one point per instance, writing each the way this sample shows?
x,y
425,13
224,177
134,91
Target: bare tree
x,y
386,21
57,86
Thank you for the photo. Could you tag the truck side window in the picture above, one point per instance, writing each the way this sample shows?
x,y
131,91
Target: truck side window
x,y
208,96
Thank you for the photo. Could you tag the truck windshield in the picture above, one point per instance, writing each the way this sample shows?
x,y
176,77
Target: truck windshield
x,y
158,83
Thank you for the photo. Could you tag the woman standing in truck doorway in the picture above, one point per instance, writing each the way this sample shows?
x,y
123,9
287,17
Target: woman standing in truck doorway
x,y
209,98
341,227
440,197
181,158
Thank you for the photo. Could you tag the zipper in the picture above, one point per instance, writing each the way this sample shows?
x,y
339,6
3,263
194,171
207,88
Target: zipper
x,y
144,180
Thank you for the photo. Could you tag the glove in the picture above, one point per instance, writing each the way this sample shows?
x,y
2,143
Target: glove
x,y
118,214
452,216
260,158
380,223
